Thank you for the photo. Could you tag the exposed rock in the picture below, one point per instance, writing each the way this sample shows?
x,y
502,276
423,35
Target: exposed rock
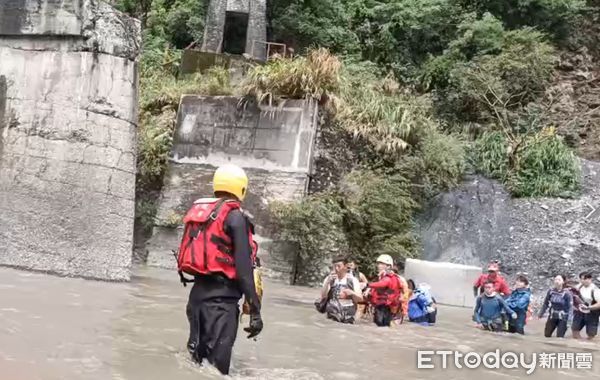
x,y
574,102
544,237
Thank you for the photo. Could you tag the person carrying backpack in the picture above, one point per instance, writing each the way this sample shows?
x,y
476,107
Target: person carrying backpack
x,y
559,301
421,306
217,248
518,301
385,293
587,311
489,308
340,293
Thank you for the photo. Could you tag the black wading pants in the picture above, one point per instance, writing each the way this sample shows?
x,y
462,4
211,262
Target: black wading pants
x,y
213,329
382,315
560,325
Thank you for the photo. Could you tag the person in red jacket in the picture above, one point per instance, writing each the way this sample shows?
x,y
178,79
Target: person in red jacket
x,y
500,285
385,294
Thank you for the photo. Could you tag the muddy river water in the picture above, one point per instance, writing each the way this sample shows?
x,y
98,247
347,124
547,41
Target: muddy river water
x,y
57,328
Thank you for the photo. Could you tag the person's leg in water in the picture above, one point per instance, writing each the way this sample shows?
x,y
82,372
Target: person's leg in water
x,y
578,324
591,324
382,316
488,325
497,325
192,317
518,325
432,317
561,329
551,325
219,320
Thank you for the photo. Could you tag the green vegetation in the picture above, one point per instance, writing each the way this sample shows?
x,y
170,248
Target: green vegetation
x,y
419,91
535,165
312,76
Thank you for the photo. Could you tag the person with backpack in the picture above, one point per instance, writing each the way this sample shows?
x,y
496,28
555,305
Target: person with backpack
x,y
217,248
489,308
587,312
385,294
559,301
421,305
519,301
340,293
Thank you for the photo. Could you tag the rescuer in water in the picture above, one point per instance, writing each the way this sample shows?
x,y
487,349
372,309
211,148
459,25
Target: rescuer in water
x,y
217,249
385,294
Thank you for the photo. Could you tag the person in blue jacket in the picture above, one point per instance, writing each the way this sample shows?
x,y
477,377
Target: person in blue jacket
x,y
421,305
518,301
489,308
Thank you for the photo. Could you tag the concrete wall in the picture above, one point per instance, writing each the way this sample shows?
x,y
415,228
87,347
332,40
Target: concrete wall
x,y
257,25
273,144
68,98
33,17
451,284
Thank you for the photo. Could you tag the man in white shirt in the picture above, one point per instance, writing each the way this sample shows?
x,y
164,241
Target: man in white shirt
x,y
588,314
342,291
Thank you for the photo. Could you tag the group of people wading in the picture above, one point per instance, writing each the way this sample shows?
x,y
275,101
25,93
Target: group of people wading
x,y
218,249
347,294
568,301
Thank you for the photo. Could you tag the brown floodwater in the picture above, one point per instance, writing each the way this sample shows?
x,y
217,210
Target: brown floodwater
x,y
55,328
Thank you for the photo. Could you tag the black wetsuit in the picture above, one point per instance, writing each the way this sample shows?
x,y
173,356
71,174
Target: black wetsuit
x,y
213,310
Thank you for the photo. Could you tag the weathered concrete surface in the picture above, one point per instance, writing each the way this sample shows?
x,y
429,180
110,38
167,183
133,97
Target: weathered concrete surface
x,y
33,17
540,237
257,25
67,148
273,144
451,284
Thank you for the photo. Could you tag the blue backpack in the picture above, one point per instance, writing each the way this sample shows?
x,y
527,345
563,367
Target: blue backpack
x,y
417,305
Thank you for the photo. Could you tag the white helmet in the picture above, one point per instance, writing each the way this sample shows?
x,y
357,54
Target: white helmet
x,y
386,259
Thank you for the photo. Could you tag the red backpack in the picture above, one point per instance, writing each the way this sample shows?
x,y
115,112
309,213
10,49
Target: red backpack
x,y
205,247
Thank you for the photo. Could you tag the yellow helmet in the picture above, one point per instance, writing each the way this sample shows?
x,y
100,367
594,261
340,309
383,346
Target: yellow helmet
x,y
231,179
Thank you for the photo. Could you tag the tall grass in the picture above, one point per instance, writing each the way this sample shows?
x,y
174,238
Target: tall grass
x,y
315,76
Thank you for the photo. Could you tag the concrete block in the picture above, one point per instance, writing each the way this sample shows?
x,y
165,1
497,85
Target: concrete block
x,y
36,17
273,145
68,114
451,284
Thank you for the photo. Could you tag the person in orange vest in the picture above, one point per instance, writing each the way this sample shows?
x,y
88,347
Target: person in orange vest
x,y
217,249
385,293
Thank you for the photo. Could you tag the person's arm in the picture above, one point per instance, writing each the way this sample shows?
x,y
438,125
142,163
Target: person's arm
x,y
476,286
504,288
522,302
362,278
569,302
236,226
381,284
325,287
596,294
477,310
544,305
505,306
